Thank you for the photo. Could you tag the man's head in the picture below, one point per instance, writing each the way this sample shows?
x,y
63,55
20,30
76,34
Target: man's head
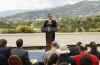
x,y
49,16
19,43
79,43
93,45
82,48
3,43
55,44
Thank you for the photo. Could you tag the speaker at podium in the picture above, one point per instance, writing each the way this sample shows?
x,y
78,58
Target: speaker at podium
x,y
50,34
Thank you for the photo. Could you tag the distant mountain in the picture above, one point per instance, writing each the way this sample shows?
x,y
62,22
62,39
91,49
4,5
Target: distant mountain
x,y
12,12
83,8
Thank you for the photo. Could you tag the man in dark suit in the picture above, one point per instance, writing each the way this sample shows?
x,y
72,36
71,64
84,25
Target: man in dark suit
x,y
51,26
4,51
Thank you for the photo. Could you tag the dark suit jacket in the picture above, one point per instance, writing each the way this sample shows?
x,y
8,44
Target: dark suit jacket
x,y
3,60
4,53
53,25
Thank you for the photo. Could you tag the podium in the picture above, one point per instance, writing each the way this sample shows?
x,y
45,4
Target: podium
x,y
48,30
48,40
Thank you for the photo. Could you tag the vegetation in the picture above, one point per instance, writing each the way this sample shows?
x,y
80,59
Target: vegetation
x,y
76,24
65,24
19,29
80,24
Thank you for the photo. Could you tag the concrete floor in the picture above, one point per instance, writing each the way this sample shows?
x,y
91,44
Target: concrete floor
x,y
38,39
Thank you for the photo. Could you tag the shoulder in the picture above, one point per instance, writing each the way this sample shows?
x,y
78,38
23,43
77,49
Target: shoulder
x,y
78,56
23,50
14,49
46,20
19,49
5,49
93,57
54,20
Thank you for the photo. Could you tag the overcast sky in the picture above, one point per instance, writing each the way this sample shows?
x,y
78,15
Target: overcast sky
x,y
32,4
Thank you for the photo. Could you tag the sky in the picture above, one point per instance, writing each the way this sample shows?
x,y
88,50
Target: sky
x,y
32,4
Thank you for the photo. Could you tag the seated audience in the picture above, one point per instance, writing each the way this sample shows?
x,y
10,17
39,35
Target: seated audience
x,y
19,51
58,54
83,54
4,52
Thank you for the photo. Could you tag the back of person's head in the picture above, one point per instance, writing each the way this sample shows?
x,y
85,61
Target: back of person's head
x,y
3,43
19,43
83,47
55,44
93,45
3,60
63,49
79,43
14,60
86,60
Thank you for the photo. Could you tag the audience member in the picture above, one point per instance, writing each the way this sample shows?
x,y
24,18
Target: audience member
x,y
82,54
94,50
4,51
19,51
75,49
14,60
63,58
53,49
52,55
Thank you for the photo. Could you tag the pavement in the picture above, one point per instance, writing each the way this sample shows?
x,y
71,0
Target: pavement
x,y
38,39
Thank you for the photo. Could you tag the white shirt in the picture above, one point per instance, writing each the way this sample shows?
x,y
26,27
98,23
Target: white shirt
x,y
50,22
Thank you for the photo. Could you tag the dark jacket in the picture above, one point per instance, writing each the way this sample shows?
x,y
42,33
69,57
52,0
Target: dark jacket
x,y
64,59
74,51
5,53
53,25
53,59
3,60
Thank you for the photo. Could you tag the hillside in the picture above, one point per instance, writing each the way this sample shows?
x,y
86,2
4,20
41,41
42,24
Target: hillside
x,y
12,12
83,8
